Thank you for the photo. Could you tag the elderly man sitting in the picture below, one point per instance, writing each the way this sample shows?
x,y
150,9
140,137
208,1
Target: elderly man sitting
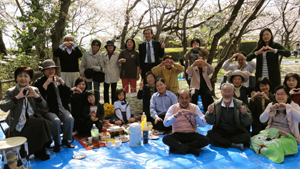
x,y
184,117
229,116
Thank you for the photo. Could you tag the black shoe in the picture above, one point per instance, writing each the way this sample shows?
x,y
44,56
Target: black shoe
x,y
66,143
48,144
42,155
56,148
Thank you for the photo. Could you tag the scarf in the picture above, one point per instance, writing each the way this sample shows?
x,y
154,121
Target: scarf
x,y
26,110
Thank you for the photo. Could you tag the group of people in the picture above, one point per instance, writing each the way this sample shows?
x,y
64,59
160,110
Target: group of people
x,y
246,100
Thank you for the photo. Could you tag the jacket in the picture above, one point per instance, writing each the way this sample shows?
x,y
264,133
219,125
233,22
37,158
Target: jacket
x,y
111,67
100,111
64,94
195,79
272,62
169,75
15,109
91,60
242,120
158,52
292,115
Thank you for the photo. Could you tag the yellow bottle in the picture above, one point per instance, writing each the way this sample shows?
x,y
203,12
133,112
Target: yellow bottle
x,y
144,117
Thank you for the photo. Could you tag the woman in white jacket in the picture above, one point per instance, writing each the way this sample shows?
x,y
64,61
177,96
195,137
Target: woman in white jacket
x,y
111,69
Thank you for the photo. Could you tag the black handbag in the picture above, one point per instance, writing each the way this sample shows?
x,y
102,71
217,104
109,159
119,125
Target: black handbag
x,y
99,77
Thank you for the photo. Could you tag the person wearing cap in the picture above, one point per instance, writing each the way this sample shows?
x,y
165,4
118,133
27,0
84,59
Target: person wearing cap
x,y
229,117
192,55
111,69
184,118
168,70
200,82
57,94
237,78
240,65
68,54
150,53
91,61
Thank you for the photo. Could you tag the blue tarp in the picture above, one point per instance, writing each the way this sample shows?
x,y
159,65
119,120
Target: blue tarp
x,y
156,155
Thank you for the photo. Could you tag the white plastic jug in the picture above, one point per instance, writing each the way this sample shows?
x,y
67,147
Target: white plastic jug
x,y
135,135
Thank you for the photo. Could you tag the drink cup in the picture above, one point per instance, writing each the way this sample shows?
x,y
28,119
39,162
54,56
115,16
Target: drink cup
x,y
90,140
118,143
109,144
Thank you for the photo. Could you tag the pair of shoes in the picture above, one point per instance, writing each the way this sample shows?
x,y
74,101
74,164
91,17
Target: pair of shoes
x,y
66,143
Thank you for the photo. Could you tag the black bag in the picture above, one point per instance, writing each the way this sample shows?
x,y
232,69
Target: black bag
x,y
99,77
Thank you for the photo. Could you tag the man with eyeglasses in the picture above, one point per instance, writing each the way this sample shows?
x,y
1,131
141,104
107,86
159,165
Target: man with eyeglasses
x,y
229,117
68,54
240,65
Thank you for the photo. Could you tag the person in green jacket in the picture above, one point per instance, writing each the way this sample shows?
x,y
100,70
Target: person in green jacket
x,y
267,57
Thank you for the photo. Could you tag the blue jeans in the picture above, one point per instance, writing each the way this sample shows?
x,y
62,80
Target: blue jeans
x,y
96,87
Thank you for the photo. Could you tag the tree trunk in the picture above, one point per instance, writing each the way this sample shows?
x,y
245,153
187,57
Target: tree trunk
x,y
223,31
229,48
2,44
58,30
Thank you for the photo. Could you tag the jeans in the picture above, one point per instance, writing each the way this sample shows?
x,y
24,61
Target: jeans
x,y
96,87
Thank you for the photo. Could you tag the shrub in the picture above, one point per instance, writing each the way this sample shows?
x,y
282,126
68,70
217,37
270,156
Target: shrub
x,y
247,46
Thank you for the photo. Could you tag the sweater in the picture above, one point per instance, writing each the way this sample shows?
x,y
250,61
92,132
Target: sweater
x,y
169,75
68,62
272,62
292,115
129,68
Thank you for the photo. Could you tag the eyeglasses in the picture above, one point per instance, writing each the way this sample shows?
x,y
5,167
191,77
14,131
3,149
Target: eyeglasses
x,y
226,92
280,94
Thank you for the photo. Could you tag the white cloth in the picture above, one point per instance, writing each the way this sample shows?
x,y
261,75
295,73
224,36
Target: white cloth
x,y
119,108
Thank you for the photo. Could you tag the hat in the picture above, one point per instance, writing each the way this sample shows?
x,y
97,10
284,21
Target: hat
x,y
89,73
238,73
110,43
48,64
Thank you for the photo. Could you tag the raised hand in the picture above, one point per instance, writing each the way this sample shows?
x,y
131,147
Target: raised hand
x,y
243,109
163,45
210,108
141,84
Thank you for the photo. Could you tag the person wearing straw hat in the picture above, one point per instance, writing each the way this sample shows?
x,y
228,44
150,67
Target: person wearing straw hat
x,y
111,69
57,95
237,78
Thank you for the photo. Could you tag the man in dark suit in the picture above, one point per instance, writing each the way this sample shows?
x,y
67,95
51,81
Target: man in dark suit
x,y
150,52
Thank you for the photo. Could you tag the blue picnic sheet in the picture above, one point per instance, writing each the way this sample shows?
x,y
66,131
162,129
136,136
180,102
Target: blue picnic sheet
x,y
156,155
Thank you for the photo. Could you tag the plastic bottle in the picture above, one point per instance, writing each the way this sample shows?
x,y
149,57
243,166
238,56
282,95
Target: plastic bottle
x,y
144,117
145,134
95,135
144,120
199,103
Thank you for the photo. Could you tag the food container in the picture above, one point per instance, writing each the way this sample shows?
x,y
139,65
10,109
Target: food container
x,y
115,131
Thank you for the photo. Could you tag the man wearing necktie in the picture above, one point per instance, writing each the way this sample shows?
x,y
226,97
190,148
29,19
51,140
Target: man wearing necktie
x,y
150,53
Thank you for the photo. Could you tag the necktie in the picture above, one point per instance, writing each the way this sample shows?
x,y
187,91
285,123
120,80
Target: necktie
x,y
148,53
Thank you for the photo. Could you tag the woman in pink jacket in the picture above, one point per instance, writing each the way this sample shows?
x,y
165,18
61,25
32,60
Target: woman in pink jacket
x,y
200,83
